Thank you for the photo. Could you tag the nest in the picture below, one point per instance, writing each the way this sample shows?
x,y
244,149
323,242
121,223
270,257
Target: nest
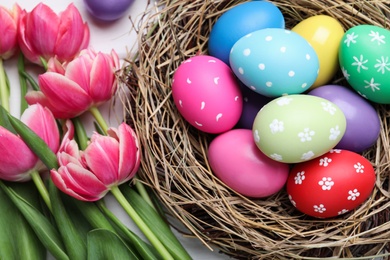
x,y
175,162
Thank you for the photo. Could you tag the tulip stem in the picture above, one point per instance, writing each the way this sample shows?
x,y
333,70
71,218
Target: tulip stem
x,y
4,92
143,192
99,118
36,177
140,223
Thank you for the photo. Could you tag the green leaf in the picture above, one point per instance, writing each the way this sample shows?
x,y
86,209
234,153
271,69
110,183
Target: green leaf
x,y
17,239
4,121
22,82
158,225
104,244
72,237
44,230
35,143
145,250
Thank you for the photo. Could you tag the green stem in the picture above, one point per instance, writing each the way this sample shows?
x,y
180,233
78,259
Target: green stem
x,y
44,63
81,135
99,118
4,93
140,223
36,177
143,192
23,83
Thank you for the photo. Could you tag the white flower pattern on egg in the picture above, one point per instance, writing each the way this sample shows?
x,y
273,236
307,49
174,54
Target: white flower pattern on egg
x,y
276,126
345,73
284,101
300,177
292,201
276,157
376,37
319,208
342,211
372,85
334,133
353,194
326,183
307,156
350,38
306,135
325,161
359,167
383,64
359,63
328,107
256,136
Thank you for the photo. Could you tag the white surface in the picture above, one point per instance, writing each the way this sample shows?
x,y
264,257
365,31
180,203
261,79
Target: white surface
x,y
104,37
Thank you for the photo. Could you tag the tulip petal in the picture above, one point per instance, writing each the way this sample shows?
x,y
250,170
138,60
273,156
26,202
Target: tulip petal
x,y
102,158
41,29
63,93
75,180
11,147
102,79
79,70
70,33
8,27
129,151
42,122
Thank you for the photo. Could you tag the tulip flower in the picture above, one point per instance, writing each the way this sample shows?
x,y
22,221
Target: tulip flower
x,y
8,46
106,162
9,28
43,34
70,89
17,161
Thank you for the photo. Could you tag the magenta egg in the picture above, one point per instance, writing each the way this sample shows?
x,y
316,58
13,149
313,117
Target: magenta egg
x,y
363,123
235,159
207,94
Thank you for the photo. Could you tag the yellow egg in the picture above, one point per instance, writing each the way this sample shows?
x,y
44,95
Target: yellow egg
x,y
324,33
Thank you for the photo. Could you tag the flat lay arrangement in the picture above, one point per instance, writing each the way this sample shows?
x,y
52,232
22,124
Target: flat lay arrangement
x,y
195,129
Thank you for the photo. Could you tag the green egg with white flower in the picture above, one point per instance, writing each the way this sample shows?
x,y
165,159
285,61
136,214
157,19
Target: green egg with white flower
x,y
298,128
364,57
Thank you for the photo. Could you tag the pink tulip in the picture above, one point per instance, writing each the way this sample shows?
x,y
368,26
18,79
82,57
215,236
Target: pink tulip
x,y
17,161
43,34
9,27
70,89
106,162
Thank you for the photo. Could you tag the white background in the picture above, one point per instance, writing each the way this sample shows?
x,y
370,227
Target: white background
x,y
104,37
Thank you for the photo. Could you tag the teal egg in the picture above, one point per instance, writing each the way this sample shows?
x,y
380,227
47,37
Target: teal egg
x,y
298,128
274,62
364,57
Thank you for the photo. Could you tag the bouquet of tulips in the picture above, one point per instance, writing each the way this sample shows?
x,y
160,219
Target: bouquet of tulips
x,y
53,175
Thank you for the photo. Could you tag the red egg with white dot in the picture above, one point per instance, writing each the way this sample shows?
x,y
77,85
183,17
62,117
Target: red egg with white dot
x,y
332,184
207,94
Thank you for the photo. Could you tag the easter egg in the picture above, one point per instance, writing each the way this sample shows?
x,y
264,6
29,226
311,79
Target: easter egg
x,y
331,185
324,34
252,103
364,58
239,21
207,94
274,62
363,123
244,168
298,128
108,10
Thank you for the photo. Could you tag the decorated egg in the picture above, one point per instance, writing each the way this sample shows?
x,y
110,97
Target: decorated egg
x,y
298,128
207,94
244,168
239,21
252,103
365,61
331,185
274,62
324,34
363,123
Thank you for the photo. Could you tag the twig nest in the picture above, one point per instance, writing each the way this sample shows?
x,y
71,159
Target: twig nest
x,y
174,155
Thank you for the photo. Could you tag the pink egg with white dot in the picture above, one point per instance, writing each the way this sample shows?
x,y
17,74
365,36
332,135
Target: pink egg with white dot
x,y
207,94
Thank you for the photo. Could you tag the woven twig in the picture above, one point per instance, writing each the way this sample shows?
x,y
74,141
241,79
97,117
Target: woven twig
x,y
174,161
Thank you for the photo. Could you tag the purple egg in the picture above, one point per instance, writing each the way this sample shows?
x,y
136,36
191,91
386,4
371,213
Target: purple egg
x,y
253,102
363,123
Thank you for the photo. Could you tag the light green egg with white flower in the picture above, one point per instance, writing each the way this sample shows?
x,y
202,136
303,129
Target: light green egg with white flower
x,y
298,128
364,56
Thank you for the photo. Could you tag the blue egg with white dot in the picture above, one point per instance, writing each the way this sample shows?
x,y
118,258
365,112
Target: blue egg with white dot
x,y
274,62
